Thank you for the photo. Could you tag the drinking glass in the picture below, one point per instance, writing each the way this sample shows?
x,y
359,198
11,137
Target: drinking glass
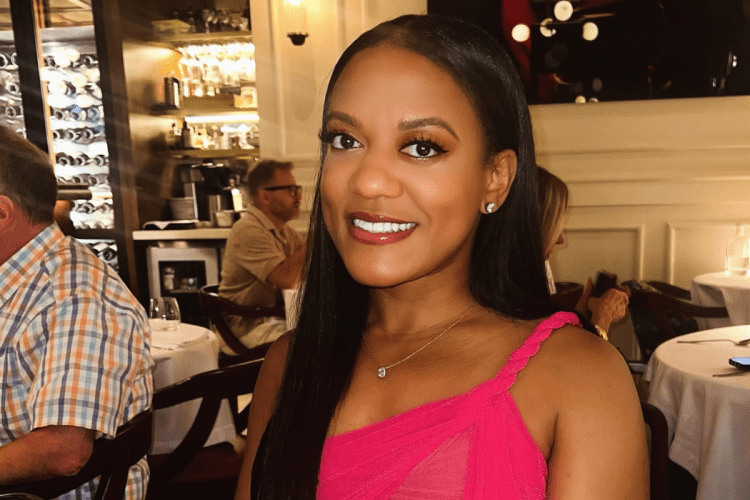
x,y
164,313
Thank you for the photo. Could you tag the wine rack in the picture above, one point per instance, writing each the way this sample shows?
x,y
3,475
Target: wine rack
x,y
11,109
74,97
70,75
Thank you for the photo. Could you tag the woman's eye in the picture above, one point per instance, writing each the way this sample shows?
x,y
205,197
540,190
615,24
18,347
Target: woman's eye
x,y
423,149
344,141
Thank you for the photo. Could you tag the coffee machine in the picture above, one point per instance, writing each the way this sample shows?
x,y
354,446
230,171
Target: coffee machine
x,y
212,186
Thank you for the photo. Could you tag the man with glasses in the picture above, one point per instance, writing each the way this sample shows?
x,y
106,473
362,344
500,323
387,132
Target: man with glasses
x,y
263,254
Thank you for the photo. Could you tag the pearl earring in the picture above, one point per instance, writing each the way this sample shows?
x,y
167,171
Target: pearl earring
x,y
490,207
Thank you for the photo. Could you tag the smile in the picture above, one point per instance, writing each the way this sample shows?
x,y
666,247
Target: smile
x,y
382,227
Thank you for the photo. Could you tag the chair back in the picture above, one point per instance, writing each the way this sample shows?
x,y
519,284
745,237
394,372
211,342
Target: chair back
x,y
217,307
670,289
662,306
110,460
211,387
658,450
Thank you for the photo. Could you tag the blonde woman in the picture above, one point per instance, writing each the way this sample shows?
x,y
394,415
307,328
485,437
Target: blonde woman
x,y
553,201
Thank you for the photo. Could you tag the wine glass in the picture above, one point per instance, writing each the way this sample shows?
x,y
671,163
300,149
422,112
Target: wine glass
x,y
164,313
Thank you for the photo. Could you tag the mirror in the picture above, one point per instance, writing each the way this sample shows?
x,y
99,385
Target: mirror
x,y
615,50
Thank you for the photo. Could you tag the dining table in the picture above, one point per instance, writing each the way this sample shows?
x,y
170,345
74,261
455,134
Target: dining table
x,y
178,354
706,402
722,290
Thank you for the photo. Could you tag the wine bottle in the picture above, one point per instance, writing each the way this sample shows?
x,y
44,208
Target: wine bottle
x,y
89,134
80,159
94,113
71,134
78,114
100,160
89,60
13,111
63,159
58,86
60,114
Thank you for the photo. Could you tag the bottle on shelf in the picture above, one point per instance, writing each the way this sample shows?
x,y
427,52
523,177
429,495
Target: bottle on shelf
x,y
80,159
100,160
13,111
187,136
172,91
60,114
89,60
738,253
63,159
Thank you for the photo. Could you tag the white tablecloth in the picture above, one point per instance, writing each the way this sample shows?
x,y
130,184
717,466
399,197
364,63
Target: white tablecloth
x,y
176,364
720,289
708,417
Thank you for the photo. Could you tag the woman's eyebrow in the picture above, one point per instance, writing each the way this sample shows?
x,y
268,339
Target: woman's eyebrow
x,y
343,117
417,123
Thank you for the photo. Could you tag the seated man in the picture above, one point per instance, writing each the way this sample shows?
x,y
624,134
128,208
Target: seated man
x,y
74,343
263,254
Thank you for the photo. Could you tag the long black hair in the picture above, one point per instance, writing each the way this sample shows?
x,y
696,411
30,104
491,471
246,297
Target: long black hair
x,y
506,271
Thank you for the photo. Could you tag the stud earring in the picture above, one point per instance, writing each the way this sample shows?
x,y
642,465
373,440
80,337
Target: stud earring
x,y
489,207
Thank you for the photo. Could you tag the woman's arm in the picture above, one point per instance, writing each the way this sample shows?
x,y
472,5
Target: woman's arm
x,y
599,447
261,408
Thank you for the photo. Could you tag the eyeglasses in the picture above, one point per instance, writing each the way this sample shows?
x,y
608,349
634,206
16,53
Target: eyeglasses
x,y
293,190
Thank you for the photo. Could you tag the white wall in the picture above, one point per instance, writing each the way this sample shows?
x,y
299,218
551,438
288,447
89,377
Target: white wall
x,y
655,186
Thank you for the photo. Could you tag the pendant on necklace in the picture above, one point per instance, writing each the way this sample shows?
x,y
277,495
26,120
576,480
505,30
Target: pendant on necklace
x,y
381,372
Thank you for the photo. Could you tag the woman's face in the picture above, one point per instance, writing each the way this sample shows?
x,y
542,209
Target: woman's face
x,y
404,177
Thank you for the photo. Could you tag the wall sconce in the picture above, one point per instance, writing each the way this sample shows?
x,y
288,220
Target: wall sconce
x,y
296,16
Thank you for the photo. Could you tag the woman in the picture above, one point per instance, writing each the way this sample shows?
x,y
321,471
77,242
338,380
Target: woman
x,y
553,201
424,301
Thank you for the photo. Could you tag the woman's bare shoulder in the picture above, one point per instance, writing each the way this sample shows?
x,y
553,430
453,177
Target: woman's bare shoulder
x,y
574,355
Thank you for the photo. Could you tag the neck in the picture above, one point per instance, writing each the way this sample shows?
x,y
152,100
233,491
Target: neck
x,y
15,237
412,308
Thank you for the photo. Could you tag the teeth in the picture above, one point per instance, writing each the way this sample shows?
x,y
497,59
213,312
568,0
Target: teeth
x,y
382,227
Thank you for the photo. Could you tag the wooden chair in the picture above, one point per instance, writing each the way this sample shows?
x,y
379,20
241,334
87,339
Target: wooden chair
x,y
567,294
110,461
216,307
190,463
661,305
658,450
658,441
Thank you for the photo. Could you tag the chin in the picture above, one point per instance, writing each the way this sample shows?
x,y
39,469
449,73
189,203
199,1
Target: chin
x,y
384,274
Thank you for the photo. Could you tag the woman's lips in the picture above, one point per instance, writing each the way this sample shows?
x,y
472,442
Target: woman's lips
x,y
378,229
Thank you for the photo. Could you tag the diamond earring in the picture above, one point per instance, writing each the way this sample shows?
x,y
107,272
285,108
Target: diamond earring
x,y
489,207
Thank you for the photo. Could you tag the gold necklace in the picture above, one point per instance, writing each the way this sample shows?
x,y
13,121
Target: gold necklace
x,y
382,370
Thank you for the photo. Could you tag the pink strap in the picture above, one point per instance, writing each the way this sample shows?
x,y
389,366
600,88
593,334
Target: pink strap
x,y
520,357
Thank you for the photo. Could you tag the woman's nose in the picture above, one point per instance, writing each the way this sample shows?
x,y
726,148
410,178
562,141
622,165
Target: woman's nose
x,y
375,176
561,239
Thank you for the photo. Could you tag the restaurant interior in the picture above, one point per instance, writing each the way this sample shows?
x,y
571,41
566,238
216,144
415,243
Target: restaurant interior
x,y
152,112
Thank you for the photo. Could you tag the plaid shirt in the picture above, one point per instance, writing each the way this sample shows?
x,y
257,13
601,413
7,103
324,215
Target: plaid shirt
x,y
74,347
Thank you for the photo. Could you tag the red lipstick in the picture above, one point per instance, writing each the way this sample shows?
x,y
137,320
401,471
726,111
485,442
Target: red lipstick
x,y
371,238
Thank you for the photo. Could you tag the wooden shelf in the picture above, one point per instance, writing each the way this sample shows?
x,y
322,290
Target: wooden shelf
x,y
222,104
221,37
213,153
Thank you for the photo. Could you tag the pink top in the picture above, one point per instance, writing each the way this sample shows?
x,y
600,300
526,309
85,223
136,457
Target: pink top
x,y
471,446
